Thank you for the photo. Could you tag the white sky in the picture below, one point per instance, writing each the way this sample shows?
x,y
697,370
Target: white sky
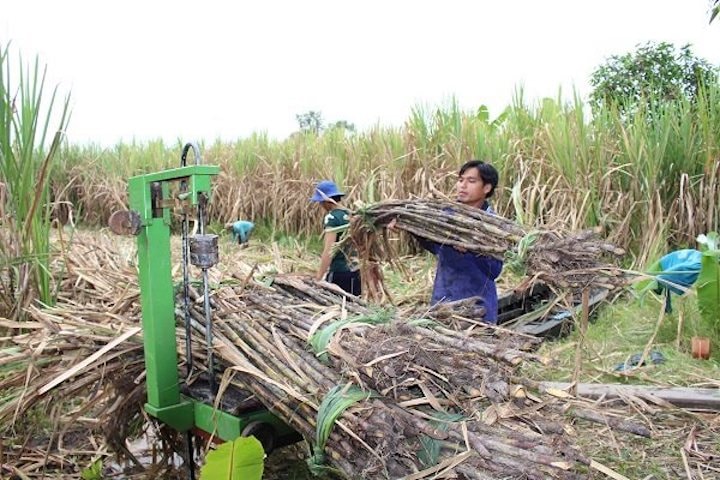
x,y
224,69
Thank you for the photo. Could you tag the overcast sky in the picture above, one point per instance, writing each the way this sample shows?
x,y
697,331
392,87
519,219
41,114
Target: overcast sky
x,y
222,69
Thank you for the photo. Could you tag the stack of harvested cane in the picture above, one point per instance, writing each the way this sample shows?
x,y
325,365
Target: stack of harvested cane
x,y
418,398
412,397
571,261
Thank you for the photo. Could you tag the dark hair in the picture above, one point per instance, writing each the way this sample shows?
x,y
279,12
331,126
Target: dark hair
x,y
487,173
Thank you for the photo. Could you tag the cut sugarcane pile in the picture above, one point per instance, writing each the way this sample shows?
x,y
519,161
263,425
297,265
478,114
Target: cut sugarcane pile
x,y
420,397
410,393
567,260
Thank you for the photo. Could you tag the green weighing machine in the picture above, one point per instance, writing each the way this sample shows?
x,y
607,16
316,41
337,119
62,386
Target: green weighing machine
x,y
185,404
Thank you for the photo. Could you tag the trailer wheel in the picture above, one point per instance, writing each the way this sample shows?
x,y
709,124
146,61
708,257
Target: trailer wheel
x,y
264,432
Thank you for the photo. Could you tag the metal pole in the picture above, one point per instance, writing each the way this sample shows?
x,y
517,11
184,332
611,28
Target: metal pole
x,y
208,312
185,259
186,292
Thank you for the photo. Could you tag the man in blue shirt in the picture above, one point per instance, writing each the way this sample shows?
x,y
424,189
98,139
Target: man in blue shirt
x,y
461,274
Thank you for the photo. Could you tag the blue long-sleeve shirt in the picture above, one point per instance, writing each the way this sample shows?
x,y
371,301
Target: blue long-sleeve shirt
x,y
462,275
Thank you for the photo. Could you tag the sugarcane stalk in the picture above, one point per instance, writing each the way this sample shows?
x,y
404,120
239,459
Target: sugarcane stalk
x,y
549,257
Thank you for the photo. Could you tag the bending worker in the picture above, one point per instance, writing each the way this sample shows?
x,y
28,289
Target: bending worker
x,y
241,230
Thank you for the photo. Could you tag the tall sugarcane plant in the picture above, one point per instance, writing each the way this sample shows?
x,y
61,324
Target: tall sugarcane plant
x,y
26,161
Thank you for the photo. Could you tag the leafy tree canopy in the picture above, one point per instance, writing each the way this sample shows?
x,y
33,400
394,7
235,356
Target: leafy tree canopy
x,y
310,121
343,124
653,73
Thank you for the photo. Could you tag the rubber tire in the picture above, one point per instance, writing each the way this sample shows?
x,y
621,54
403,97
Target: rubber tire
x,y
264,432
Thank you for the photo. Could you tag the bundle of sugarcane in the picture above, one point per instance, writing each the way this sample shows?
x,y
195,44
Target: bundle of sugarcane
x,y
561,259
91,390
374,439
378,437
262,339
261,336
419,357
461,317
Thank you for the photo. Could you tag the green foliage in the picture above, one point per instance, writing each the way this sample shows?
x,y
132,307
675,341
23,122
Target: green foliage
x,y
94,471
650,184
241,459
622,329
651,75
342,125
708,282
310,122
337,400
515,259
26,168
322,337
429,447
650,283
714,10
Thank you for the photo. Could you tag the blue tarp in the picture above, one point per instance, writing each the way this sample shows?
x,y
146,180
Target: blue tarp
x,y
676,272
679,269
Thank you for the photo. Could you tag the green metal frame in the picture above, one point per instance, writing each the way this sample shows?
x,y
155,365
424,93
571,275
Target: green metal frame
x,y
228,427
157,297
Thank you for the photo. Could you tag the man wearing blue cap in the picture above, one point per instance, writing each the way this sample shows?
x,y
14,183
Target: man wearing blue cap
x,y
335,267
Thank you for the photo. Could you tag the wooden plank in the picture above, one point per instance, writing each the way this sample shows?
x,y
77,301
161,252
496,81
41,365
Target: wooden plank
x,y
683,397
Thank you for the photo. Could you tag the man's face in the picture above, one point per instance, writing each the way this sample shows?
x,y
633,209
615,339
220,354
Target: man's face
x,y
471,190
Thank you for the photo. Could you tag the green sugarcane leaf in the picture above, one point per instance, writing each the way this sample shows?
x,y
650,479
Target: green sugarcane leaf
x,y
333,405
93,472
429,451
337,400
708,288
649,283
241,459
516,195
429,447
320,339
423,322
711,241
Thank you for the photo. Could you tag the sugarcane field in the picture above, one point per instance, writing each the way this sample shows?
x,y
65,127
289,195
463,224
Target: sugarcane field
x,y
535,296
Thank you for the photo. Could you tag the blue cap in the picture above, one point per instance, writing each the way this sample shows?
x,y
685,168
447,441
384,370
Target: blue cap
x,y
241,230
325,190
